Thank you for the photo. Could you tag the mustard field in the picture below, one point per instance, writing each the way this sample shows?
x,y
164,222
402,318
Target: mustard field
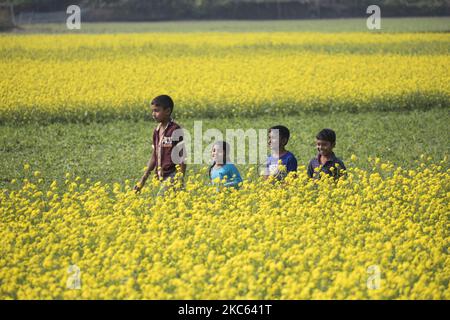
x,y
300,239
67,77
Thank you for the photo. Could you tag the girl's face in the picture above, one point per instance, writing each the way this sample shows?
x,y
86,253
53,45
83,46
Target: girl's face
x,y
217,154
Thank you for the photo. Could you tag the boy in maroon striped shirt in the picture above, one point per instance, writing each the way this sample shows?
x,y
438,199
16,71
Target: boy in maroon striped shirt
x,y
166,136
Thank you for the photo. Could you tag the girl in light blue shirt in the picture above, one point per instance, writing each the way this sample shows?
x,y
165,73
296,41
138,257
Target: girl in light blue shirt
x,y
221,168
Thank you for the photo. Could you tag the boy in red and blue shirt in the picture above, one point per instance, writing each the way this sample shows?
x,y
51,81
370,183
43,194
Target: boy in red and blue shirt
x,y
326,161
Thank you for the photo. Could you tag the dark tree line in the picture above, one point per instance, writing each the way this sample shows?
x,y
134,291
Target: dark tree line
x,y
147,10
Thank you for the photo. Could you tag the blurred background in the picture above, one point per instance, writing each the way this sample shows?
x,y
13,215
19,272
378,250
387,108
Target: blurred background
x,y
19,12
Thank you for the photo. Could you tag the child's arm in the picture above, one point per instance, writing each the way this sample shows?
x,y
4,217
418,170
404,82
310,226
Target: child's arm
x,y
340,169
179,147
291,164
310,170
266,173
235,177
233,183
150,167
183,168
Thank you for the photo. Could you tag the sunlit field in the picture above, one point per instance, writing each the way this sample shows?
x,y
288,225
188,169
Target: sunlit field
x,y
96,77
297,240
76,130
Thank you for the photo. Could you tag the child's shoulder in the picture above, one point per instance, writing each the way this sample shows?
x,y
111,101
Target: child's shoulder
x,y
336,158
314,160
172,125
175,125
230,166
290,155
339,161
232,171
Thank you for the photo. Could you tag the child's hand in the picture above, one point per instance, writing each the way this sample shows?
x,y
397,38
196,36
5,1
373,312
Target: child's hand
x,y
138,187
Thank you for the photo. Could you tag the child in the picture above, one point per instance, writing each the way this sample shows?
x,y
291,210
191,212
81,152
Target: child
x,y
325,161
221,168
165,137
278,139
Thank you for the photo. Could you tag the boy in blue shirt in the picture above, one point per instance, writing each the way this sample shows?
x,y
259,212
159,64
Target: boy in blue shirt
x,y
325,161
278,139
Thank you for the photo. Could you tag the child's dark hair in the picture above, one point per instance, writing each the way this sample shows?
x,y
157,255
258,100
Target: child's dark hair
x,y
282,131
327,135
164,101
226,148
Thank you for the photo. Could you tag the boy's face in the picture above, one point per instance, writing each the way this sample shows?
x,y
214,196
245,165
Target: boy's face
x,y
160,113
275,141
325,148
